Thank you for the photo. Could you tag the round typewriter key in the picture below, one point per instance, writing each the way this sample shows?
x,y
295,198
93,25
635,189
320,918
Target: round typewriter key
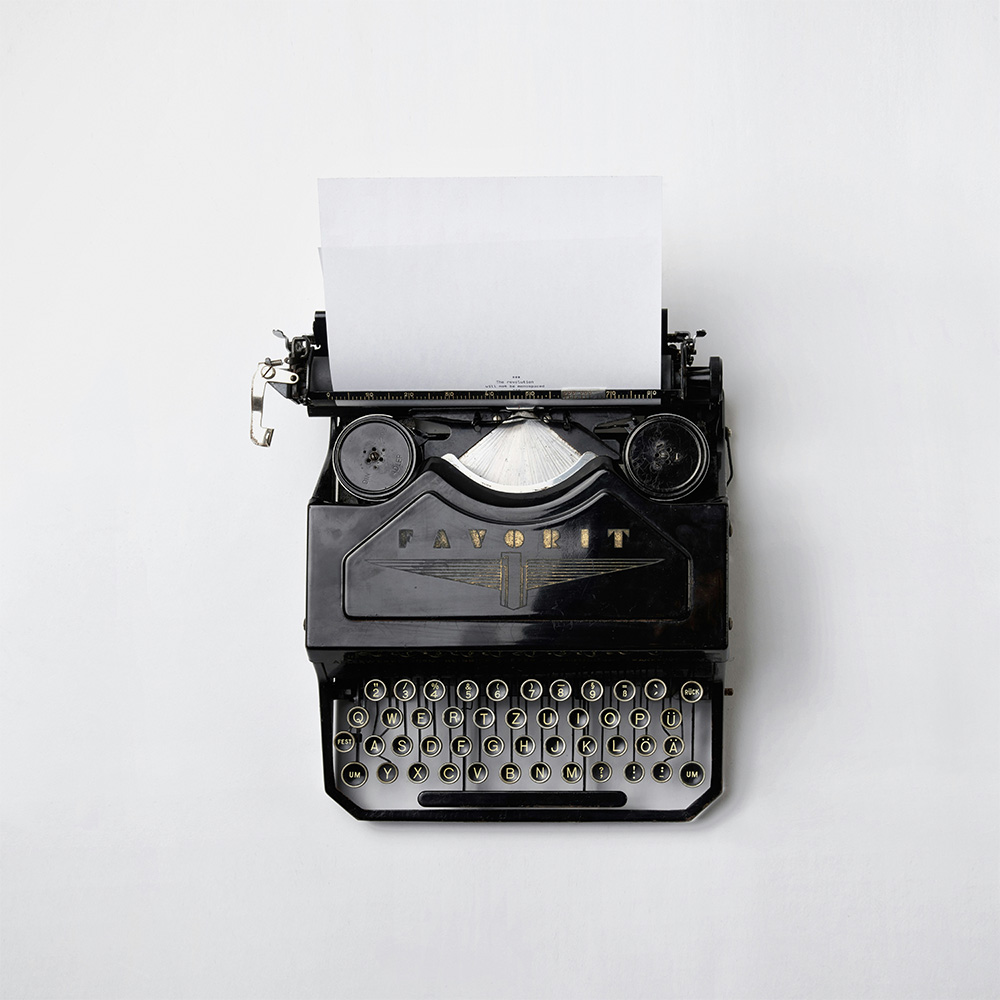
x,y
477,772
510,773
531,690
692,691
483,718
404,690
670,718
387,772
579,718
586,746
592,690
548,718
673,745
496,690
617,745
600,771
452,717
633,771
692,773
639,718
524,746
417,772
560,690
468,690
434,690
375,690
540,772
358,717
430,745
515,718
555,746
392,718
354,774
661,772
646,745
421,718
667,456
449,773
624,690
610,718
344,742
374,746
374,456
493,745
402,745
655,689
572,772
461,746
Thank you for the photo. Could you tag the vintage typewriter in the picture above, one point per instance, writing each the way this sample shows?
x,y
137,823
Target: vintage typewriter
x,y
516,602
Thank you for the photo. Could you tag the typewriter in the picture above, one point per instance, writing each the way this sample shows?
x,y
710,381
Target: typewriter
x,y
516,602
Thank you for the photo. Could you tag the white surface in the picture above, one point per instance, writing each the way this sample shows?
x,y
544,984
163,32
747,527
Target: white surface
x,y
492,283
831,219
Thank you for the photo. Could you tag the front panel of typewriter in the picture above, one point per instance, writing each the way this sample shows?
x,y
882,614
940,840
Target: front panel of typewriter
x,y
520,611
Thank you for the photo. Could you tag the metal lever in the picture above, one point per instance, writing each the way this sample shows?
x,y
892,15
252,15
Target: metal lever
x,y
267,371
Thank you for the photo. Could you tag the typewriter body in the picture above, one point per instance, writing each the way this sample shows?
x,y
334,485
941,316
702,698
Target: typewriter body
x,y
516,602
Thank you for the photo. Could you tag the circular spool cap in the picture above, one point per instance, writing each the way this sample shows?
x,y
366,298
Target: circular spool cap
x,y
374,456
667,456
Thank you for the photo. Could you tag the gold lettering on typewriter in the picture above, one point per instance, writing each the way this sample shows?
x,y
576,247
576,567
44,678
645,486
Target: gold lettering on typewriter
x,y
441,541
550,538
620,534
477,535
514,539
404,536
585,538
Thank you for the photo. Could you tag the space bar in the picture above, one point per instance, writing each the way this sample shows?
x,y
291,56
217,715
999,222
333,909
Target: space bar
x,y
522,800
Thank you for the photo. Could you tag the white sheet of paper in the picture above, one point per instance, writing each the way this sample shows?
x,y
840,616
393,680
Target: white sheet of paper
x,y
492,283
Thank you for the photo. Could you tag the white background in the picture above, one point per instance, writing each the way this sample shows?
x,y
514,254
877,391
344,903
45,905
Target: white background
x,y
830,217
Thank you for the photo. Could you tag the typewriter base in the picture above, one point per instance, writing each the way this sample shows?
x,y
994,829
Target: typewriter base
x,y
524,759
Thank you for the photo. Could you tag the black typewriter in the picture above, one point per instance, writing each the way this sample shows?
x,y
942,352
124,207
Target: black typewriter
x,y
516,602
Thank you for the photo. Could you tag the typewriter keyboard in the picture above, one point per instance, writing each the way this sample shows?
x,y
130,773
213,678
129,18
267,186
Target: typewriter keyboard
x,y
426,743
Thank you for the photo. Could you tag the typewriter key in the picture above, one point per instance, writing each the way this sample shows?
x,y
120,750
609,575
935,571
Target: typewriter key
x,y
344,741
374,456
354,774
624,690
692,691
610,718
510,773
375,690
692,774
402,745
468,690
525,746
453,717
421,718
374,746
430,745
592,690
404,690
661,772
579,718
387,772
477,772
548,718
531,690
617,745
633,772
670,718
496,690
586,746
655,689
646,745
357,717
515,718
572,772
434,690
391,718
540,772
673,746
667,456
600,771
639,718
417,772
461,746
555,746
449,773
483,718
560,690
493,745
